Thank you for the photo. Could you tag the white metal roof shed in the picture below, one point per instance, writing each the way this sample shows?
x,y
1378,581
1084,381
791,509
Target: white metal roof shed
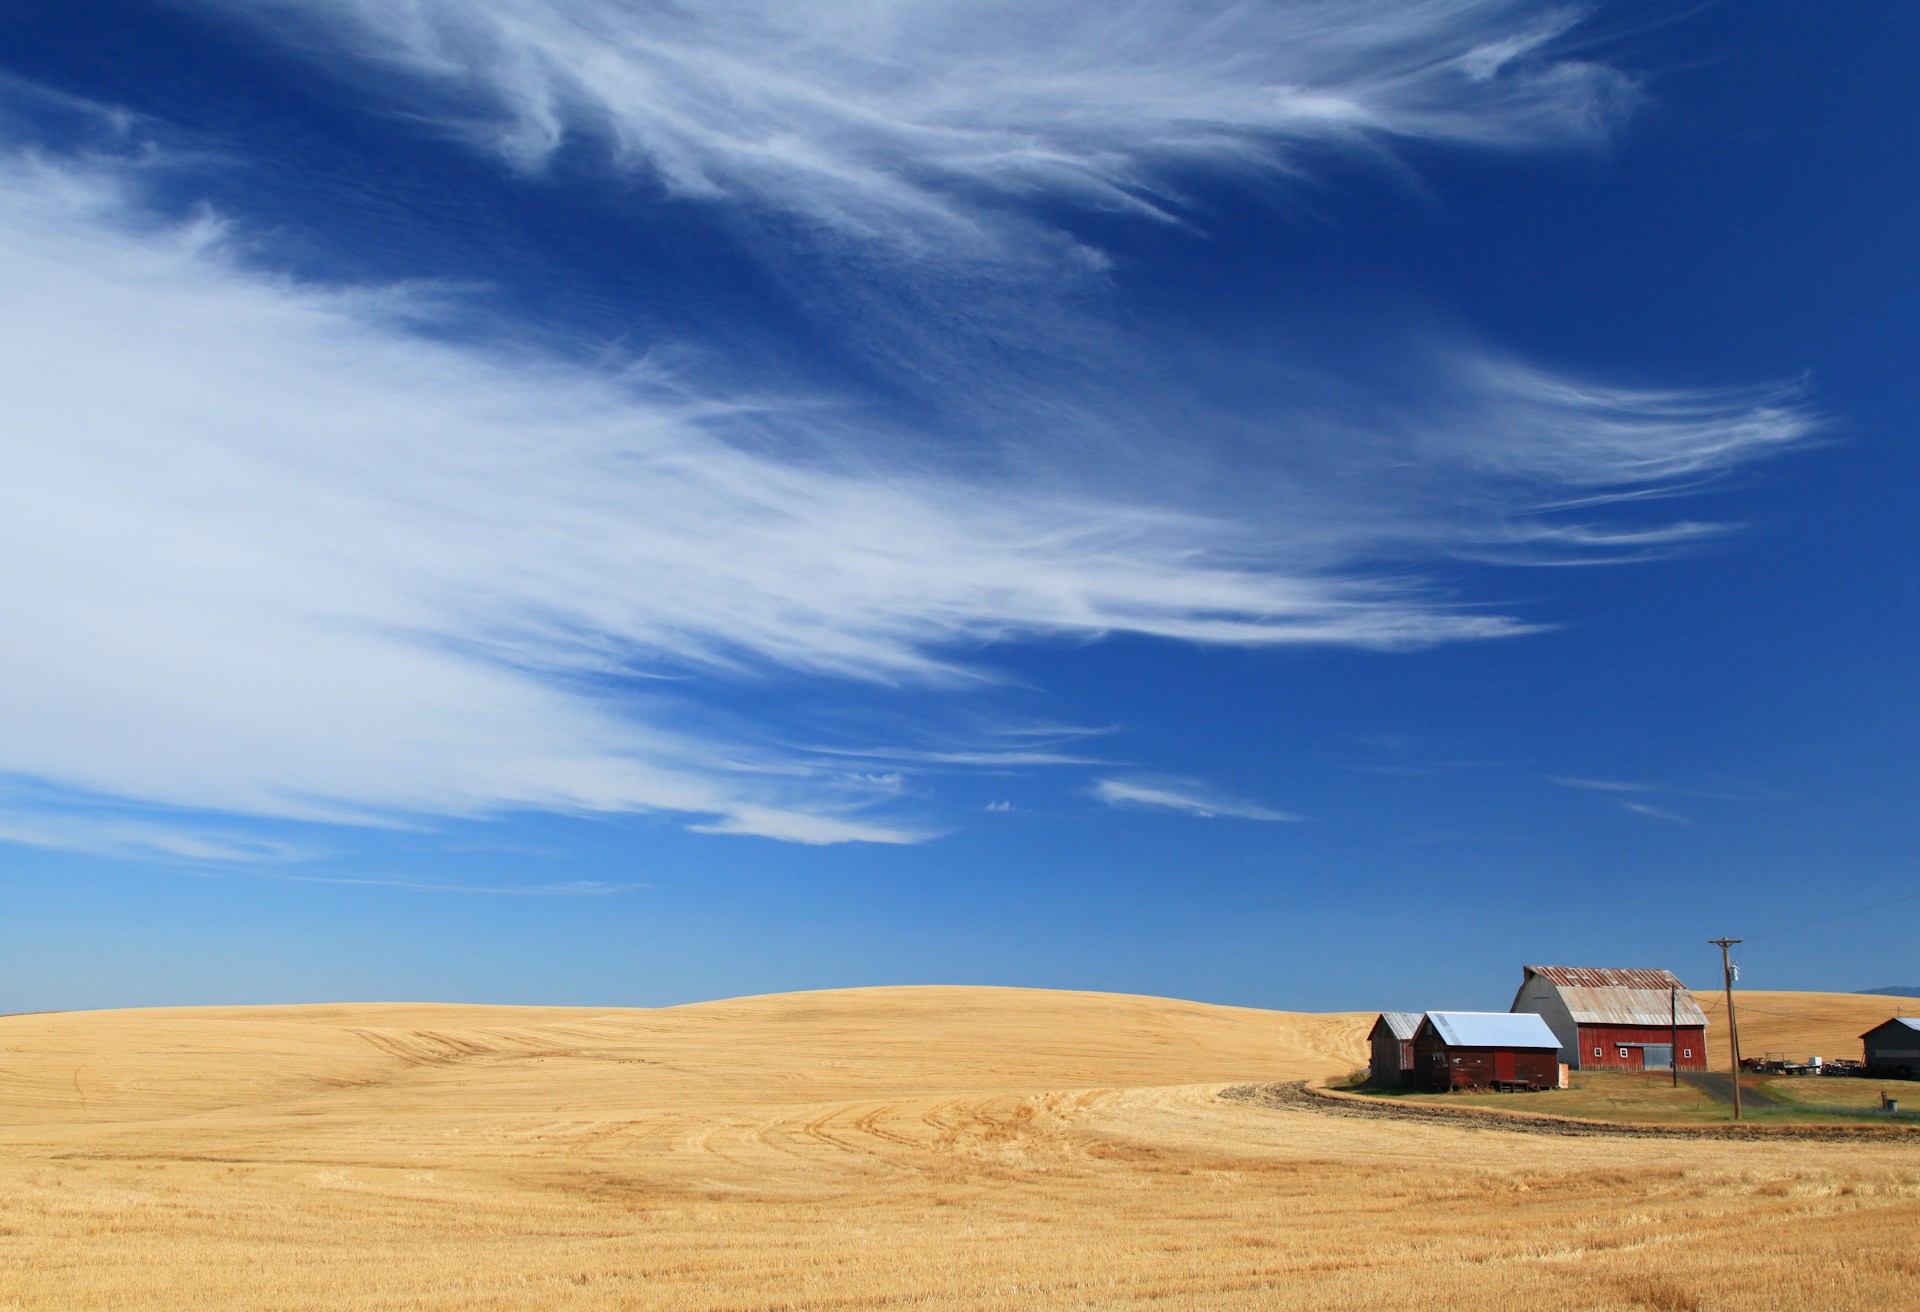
x,y
1911,1022
1492,1029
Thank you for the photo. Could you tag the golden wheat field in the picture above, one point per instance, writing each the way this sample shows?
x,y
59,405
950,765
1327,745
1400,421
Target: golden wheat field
x,y
926,1148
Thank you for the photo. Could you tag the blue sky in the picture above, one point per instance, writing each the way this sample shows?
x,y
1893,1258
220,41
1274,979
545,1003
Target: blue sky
x,y
1299,504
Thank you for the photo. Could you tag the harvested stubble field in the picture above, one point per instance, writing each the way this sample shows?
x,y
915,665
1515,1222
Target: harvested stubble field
x,y
928,1148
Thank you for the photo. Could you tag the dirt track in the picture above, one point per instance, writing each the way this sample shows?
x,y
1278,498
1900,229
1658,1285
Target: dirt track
x,y
1295,1095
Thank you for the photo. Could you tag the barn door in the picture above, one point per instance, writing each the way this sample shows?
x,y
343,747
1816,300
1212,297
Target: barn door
x,y
1502,1065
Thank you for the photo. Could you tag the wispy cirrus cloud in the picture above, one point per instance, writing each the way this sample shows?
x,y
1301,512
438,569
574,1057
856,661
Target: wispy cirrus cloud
x,y
1618,436
1604,785
312,552
294,553
1730,792
932,125
914,135
1655,812
1191,796
146,839
291,557
565,888
1630,795
965,758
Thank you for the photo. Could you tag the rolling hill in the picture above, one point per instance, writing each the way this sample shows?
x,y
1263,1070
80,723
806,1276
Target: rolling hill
x,y
923,1148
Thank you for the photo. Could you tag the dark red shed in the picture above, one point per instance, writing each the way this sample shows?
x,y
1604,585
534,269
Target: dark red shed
x,y
1391,1042
1483,1050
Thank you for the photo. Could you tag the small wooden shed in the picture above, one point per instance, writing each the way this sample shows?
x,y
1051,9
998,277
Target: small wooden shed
x,y
1485,1050
1391,1040
1893,1047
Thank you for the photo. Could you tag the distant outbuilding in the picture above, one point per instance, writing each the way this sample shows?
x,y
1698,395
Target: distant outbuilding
x,y
1893,1047
1391,1039
1484,1050
1609,1019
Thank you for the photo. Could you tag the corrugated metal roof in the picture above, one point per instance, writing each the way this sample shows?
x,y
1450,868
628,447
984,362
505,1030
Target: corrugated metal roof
x,y
1401,1024
1911,1022
1605,977
1492,1029
1600,996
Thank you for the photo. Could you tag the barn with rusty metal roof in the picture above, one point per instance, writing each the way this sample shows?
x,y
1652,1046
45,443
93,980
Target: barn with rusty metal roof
x,y
1612,1019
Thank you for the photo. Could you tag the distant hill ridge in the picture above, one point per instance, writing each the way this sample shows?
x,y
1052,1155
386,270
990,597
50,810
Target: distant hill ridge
x,y
1896,990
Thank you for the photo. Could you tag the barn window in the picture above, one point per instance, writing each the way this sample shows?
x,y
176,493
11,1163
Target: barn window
x,y
1596,1052
1623,1054
1686,1052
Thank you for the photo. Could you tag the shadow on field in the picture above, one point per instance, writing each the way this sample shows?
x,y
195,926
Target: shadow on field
x,y
1718,1085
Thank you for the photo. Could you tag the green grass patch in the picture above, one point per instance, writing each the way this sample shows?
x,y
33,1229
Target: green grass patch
x,y
1630,1098
1595,1096
1838,1091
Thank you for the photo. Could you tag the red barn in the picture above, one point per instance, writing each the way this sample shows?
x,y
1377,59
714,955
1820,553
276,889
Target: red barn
x,y
1609,1019
1483,1049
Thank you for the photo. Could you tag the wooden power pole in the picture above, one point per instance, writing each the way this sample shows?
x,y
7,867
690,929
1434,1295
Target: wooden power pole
x,y
1733,1027
1673,1035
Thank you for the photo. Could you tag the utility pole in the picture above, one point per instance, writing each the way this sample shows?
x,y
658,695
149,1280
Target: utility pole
x,y
1673,1019
1733,1027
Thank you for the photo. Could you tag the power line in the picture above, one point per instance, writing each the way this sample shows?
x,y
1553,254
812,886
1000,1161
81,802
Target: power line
x,y
1837,915
1709,1005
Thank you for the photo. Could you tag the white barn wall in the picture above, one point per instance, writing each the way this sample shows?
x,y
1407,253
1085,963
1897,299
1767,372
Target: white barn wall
x,y
1543,1000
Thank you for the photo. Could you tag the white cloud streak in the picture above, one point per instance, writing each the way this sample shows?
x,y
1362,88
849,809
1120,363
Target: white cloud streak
x,y
276,553
927,122
1610,436
1729,793
280,552
932,144
97,834
1628,795
1604,785
1185,795
1656,813
568,888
